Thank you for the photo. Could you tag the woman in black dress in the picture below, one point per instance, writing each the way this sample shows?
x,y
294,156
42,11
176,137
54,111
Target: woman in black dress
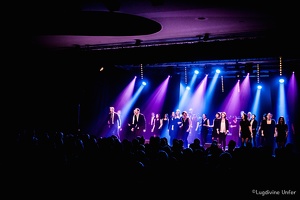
x,y
204,129
281,132
245,130
268,132
185,128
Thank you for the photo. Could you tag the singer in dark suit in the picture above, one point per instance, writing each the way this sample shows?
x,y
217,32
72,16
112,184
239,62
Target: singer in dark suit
x,y
114,123
138,123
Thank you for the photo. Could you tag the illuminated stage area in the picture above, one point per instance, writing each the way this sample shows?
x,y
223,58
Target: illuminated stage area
x,y
78,100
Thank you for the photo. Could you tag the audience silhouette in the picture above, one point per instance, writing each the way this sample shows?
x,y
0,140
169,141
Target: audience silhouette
x,y
73,161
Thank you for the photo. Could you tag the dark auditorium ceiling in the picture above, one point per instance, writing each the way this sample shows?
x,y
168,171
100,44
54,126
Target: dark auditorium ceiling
x,y
164,34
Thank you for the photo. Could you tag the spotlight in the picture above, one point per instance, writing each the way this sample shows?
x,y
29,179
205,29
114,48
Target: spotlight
x,y
281,80
239,75
207,69
206,37
138,42
248,68
170,70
